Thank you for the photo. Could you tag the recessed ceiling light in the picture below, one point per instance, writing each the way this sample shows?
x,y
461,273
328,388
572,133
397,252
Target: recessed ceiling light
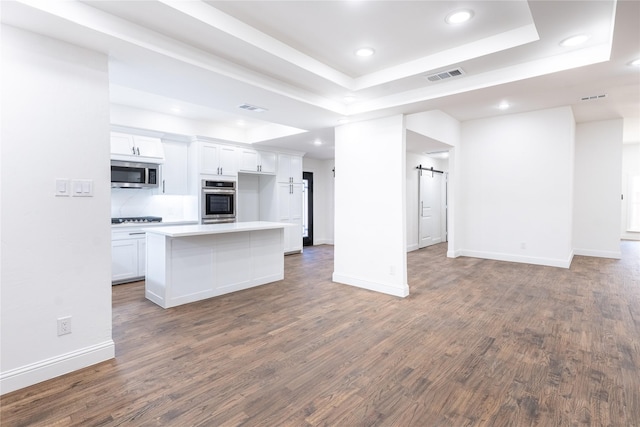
x,y
574,40
503,105
349,98
317,142
459,16
636,63
176,110
241,122
365,51
343,120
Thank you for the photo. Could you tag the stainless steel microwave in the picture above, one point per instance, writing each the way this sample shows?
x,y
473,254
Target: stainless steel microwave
x,y
134,175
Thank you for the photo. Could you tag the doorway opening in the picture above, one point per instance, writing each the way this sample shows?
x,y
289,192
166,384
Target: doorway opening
x,y
307,208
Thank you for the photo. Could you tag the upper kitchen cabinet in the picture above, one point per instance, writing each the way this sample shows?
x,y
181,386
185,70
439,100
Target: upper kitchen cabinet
x,y
137,148
289,168
175,169
257,161
216,159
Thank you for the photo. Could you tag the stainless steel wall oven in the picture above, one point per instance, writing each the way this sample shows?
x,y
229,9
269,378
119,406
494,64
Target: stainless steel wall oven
x,y
218,201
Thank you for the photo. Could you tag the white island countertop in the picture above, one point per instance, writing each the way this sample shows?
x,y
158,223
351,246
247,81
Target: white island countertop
x,y
206,229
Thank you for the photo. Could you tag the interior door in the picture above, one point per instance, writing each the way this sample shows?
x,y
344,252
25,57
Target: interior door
x,y
431,209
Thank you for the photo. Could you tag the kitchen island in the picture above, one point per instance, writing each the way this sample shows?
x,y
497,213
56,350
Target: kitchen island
x,y
193,262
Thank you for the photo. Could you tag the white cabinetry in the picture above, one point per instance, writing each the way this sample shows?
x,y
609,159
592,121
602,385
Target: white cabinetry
x,y
289,168
218,159
175,169
128,249
257,161
139,148
289,179
290,211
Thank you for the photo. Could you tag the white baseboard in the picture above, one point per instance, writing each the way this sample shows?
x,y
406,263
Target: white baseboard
x,y
322,242
34,373
413,247
550,262
372,286
598,254
630,235
454,254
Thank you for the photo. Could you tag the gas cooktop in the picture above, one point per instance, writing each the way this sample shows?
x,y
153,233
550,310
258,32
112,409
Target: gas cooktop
x,y
136,219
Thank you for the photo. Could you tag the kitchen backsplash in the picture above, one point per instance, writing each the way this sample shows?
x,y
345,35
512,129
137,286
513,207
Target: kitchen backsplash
x,y
126,202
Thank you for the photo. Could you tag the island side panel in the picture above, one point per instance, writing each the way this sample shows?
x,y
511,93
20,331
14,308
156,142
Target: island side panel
x,y
193,271
233,262
156,269
267,255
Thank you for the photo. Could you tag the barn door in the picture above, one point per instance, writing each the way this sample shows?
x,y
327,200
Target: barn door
x,y
432,221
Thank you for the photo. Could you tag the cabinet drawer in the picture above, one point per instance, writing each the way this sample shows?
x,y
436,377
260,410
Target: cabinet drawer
x,y
133,233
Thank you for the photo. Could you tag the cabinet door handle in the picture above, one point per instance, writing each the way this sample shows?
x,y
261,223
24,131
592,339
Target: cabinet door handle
x,y
220,170
133,150
163,186
138,150
133,234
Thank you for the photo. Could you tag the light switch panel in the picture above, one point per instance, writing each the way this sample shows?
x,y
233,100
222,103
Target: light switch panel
x,y
63,188
82,188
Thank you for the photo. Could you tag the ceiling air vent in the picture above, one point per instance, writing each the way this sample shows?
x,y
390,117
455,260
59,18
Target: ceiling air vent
x,y
443,75
593,97
253,108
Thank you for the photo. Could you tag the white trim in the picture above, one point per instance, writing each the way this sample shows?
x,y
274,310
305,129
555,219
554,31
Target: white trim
x,y
43,370
629,235
372,286
413,247
598,254
317,242
551,262
454,254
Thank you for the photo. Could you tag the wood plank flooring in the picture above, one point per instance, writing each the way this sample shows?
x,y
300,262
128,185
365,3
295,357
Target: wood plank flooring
x,y
477,343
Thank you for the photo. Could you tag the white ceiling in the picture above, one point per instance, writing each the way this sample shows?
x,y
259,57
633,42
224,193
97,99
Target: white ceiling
x,y
295,58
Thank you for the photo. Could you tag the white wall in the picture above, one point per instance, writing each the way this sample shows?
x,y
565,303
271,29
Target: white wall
x,y
598,167
437,125
413,193
370,206
323,188
56,251
630,167
516,187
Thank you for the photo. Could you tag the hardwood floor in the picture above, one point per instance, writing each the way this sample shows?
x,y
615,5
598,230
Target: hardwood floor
x,y
477,343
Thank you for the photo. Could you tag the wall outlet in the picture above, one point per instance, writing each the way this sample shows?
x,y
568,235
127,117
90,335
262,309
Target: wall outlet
x,y
64,325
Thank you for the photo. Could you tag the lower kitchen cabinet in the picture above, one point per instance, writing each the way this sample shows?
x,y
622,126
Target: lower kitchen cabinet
x,y
128,250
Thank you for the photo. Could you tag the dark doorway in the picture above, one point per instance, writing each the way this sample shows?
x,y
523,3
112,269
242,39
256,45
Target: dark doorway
x,y
307,208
